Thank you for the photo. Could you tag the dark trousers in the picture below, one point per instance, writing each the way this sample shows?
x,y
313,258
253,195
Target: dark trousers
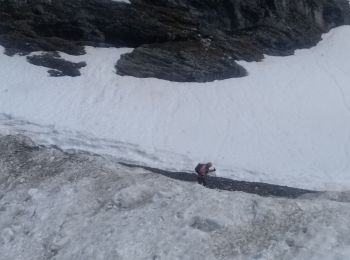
x,y
202,180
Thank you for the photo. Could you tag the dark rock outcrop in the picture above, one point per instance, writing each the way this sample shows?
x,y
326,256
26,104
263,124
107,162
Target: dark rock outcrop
x,y
179,40
58,66
189,61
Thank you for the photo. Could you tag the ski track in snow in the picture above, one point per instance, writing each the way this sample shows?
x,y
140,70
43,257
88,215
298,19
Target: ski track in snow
x,y
287,123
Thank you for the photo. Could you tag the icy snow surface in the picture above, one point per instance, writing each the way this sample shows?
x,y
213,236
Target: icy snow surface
x,y
287,123
63,206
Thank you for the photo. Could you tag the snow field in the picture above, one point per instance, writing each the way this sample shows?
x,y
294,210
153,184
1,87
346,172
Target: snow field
x,y
286,123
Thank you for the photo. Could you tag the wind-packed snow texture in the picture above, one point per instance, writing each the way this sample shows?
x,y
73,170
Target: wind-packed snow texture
x,y
64,205
288,122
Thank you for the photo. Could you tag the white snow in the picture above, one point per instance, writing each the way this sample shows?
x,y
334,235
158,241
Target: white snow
x,y
91,208
288,122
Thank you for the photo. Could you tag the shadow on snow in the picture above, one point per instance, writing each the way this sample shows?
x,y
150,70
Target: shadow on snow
x,y
220,183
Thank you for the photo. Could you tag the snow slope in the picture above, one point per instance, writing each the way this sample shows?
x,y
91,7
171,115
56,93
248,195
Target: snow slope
x,y
59,205
288,122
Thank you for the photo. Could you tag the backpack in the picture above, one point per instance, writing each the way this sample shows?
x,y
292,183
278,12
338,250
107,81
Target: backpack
x,y
197,168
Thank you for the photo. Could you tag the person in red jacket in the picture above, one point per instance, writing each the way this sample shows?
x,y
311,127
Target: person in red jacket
x,y
203,169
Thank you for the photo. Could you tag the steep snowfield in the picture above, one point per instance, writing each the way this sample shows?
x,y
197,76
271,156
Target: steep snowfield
x,y
59,205
288,122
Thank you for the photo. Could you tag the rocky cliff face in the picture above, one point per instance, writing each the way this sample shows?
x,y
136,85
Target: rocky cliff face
x,y
179,40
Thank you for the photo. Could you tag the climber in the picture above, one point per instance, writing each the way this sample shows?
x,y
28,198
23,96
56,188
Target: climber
x,y
203,169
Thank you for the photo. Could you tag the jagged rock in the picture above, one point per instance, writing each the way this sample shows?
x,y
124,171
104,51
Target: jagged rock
x,y
179,61
179,40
